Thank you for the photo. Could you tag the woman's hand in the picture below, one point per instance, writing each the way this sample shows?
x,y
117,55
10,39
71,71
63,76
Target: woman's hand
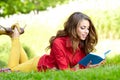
x,y
76,67
54,69
95,65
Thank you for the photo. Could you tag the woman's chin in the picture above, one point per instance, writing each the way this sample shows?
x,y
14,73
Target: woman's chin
x,y
83,39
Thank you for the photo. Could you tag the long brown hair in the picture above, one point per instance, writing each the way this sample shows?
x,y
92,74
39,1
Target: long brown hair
x,y
70,30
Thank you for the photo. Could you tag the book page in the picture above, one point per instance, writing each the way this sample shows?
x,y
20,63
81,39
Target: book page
x,y
103,55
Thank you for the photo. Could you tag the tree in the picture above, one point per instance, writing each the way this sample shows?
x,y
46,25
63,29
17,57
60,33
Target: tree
x,y
9,7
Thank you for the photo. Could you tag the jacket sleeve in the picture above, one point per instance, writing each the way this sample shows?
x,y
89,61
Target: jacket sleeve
x,y
60,56
81,66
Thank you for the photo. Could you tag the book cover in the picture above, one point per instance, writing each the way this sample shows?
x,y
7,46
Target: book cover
x,y
95,59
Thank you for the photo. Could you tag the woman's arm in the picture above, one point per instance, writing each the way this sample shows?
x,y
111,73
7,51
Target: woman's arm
x,y
95,65
60,56
78,66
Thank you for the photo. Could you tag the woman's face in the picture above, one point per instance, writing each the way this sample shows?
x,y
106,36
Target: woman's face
x,y
83,29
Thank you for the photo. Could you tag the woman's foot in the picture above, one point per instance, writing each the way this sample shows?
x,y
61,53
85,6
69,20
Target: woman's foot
x,y
15,33
20,30
9,31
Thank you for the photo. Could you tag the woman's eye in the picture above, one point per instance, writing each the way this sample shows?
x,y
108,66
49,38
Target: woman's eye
x,y
82,27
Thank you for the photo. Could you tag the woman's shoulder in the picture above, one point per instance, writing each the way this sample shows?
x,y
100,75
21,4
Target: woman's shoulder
x,y
60,39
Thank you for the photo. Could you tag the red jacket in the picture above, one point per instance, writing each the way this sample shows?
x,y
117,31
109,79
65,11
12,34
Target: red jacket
x,y
61,55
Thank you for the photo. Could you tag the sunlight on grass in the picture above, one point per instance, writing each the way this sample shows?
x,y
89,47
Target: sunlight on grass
x,y
109,72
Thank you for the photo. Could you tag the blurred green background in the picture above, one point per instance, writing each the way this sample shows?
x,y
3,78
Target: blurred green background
x,y
44,17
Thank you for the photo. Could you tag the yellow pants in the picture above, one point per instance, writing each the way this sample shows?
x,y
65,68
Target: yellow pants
x,y
18,60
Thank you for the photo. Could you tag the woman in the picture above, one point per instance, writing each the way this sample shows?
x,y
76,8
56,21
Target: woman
x,y
68,47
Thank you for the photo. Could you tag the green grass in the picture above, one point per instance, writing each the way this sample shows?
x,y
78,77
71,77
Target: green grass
x,y
107,72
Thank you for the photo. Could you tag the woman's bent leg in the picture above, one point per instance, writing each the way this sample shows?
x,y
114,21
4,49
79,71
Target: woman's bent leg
x,y
23,55
15,53
30,65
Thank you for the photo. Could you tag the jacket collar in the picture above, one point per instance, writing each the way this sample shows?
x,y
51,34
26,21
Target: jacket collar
x,y
69,43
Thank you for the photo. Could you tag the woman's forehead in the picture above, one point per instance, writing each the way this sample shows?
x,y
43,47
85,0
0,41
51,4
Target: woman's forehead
x,y
84,22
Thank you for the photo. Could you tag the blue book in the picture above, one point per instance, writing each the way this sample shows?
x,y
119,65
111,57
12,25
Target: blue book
x,y
95,59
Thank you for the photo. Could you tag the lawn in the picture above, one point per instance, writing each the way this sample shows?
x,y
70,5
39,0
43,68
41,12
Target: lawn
x,y
109,71
106,72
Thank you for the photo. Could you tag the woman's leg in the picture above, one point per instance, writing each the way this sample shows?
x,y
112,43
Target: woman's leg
x,y
23,55
14,57
30,65
18,56
18,60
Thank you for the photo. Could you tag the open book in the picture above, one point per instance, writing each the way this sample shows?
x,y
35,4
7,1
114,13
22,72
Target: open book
x,y
94,58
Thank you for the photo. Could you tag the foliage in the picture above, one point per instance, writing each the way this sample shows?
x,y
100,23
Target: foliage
x,y
28,51
113,60
9,7
2,64
4,52
106,22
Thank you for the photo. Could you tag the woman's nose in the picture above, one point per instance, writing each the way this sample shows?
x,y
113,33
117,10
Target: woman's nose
x,y
87,31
